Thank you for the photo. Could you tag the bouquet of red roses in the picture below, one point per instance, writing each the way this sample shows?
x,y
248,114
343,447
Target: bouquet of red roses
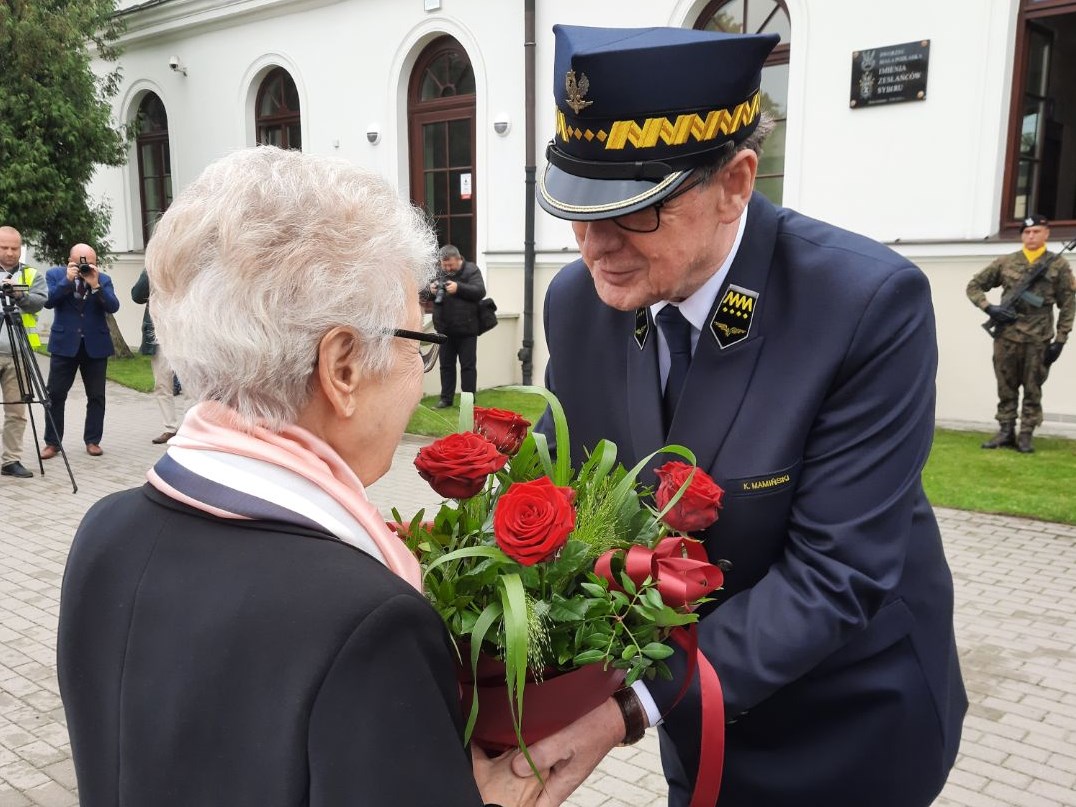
x,y
562,583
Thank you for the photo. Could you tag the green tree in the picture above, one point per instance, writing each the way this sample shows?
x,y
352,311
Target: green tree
x,y
55,120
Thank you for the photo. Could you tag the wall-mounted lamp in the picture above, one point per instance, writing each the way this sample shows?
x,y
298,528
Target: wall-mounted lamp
x,y
501,124
176,65
373,133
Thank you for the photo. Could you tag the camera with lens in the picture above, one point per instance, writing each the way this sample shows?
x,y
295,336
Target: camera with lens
x,y
439,291
83,267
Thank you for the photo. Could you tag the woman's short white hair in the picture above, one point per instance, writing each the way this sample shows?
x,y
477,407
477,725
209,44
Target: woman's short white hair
x,y
264,253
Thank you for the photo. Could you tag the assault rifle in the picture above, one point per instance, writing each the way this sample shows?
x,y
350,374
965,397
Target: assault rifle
x,y
1007,306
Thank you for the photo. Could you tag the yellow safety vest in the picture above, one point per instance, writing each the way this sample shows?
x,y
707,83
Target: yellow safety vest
x,y
29,321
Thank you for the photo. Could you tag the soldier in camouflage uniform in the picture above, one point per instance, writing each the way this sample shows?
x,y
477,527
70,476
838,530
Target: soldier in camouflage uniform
x,y
1023,350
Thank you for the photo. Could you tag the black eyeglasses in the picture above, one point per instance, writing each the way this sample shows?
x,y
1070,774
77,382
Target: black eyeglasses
x,y
648,219
434,340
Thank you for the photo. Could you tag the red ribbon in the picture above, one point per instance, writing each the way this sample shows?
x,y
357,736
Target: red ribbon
x,y
678,566
712,721
682,574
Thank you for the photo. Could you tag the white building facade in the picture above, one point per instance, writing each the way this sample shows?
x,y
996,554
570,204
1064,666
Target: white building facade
x,y
433,95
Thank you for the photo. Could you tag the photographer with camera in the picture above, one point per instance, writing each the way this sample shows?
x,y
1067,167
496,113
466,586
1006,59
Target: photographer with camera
x,y
79,341
455,293
13,274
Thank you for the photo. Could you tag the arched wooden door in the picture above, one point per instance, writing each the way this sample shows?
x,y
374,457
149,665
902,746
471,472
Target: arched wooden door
x,y
441,134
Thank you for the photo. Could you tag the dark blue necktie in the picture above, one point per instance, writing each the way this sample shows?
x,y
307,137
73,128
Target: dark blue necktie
x,y
677,331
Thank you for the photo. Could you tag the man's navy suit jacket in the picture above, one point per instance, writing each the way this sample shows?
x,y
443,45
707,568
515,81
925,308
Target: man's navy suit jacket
x,y
833,637
76,320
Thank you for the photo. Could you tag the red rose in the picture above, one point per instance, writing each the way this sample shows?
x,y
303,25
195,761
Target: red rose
x,y
532,520
697,508
504,429
458,465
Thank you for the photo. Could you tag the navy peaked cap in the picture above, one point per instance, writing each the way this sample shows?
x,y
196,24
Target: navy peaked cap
x,y
639,108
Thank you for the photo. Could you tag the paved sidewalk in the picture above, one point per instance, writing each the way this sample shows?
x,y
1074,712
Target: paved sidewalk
x,y
1015,621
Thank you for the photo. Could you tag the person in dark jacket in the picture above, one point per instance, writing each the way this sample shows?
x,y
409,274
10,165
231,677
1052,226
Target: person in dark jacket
x,y
164,380
244,629
455,295
797,361
80,296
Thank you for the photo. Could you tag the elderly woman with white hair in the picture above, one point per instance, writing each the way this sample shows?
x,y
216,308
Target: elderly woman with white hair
x,y
244,629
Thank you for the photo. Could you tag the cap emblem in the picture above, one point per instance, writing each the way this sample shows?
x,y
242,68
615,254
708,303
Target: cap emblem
x,y
576,90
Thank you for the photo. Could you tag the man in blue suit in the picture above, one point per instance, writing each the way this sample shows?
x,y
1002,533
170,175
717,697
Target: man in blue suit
x,y
79,341
797,361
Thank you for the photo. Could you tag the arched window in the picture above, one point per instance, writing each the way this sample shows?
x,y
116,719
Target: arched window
x,y
1040,166
441,118
761,17
154,162
276,111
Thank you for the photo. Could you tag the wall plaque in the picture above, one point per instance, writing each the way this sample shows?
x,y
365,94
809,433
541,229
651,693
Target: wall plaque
x,y
890,74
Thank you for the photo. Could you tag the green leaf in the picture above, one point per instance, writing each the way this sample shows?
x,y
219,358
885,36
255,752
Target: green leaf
x,y
466,411
653,597
568,611
492,552
562,472
588,657
594,590
541,445
478,635
657,650
626,488
516,639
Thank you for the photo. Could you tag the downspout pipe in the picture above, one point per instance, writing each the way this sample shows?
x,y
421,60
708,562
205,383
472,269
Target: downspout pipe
x,y
526,352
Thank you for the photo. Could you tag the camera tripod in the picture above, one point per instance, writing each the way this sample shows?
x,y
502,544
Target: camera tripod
x,y
32,387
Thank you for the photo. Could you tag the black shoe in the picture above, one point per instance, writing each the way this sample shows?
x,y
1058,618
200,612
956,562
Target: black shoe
x,y
442,404
1005,438
16,469
1023,443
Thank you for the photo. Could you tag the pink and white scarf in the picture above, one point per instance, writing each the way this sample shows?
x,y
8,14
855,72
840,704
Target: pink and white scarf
x,y
291,475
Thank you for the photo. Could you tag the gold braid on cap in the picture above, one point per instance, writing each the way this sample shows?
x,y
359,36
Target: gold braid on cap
x,y
673,132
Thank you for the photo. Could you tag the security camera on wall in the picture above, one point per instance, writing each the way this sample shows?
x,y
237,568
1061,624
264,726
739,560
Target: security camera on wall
x,y
176,65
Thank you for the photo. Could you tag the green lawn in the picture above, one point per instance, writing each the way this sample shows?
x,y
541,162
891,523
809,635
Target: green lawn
x,y
964,476
959,474
134,372
439,422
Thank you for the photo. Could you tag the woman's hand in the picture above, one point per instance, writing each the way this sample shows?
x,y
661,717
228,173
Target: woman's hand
x,y
497,783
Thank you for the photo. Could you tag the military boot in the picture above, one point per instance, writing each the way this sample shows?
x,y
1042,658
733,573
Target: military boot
x,y
1006,437
1023,443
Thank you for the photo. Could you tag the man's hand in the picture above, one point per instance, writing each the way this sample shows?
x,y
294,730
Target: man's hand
x,y
573,752
451,286
72,272
1052,352
499,785
999,314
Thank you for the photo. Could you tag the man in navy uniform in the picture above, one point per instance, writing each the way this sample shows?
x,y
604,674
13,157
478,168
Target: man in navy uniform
x,y
797,361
